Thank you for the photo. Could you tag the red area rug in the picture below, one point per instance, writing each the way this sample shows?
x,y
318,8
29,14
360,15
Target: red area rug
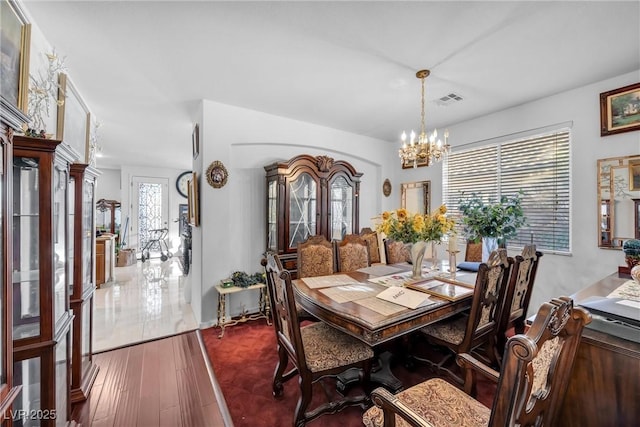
x,y
244,361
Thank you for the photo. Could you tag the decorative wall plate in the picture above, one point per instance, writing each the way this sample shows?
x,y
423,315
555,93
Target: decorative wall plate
x,y
386,188
217,174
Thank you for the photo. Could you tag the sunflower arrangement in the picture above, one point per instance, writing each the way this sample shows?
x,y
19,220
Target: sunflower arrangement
x,y
403,226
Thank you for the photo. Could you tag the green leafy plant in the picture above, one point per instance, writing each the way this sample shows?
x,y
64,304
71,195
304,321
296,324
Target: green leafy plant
x,y
244,280
482,218
631,249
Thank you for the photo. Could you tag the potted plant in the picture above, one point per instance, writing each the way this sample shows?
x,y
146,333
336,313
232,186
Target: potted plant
x,y
631,249
492,222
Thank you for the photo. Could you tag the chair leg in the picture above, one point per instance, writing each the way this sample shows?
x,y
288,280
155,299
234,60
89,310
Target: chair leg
x,y
283,357
303,402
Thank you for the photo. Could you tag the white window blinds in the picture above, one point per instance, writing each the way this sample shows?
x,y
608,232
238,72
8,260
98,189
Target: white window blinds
x,y
538,165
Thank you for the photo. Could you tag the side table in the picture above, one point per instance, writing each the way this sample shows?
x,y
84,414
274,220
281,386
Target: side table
x,y
264,308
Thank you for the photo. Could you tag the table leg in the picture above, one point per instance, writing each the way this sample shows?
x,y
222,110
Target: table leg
x,y
265,305
381,375
222,309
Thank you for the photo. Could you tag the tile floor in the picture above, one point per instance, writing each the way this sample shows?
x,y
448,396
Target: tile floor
x,y
146,301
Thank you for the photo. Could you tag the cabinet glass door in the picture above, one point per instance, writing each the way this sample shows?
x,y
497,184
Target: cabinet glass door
x,y
3,379
87,234
341,194
70,230
60,293
272,216
302,209
26,244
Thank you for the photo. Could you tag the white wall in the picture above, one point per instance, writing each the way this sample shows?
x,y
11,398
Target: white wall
x,y
109,186
232,236
564,275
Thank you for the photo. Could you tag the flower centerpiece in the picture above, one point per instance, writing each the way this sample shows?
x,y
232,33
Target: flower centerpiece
x,y
491,222
416,229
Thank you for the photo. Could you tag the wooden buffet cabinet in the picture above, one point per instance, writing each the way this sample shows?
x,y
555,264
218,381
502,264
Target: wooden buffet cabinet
x,y
604,389
309,196
105,258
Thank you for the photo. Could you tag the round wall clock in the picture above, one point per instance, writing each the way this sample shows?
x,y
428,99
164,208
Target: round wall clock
x,y
217,174
182,183
386,187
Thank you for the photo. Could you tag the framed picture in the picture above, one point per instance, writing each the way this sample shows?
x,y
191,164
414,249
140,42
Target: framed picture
x,y
15,33
620,110
416,196
192,201
195,141
634,175
74,119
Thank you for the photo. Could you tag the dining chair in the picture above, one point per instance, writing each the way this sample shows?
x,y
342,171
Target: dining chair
x,y
517,295
316,257
316,351
467,331
473,252
530,386
371,237
352,253
396,252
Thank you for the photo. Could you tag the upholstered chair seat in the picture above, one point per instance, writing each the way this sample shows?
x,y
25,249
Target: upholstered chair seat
x,y
453,408
449,330
327,348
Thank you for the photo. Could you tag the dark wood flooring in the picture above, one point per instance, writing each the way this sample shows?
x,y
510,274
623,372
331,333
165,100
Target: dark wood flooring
x,y
167,382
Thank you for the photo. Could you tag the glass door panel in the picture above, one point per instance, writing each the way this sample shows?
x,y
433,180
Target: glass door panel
x,y
87,234
272,216
62,381
71,227
341,194
302,209
60,179
26,245
28,374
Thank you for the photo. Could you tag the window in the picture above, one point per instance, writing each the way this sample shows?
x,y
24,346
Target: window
x,y
538,165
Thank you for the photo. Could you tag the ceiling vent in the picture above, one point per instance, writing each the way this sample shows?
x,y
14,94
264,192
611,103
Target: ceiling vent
x,y
449,99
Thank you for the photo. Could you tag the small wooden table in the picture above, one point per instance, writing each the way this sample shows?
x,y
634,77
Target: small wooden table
x,y
264,309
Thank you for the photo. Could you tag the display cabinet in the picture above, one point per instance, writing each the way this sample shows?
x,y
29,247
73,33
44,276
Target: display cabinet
x,y
8,392
308,196
83,282
41,315
108,217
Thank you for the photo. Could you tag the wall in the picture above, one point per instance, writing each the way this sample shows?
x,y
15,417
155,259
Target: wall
x,y
559,274
109,186
232,236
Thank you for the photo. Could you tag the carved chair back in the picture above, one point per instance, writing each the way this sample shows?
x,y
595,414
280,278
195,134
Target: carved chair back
x,y
352,253
371,238
518,295
537,366
396,252
316,257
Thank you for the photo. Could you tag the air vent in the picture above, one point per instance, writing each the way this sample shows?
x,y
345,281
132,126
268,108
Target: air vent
x,y
449,99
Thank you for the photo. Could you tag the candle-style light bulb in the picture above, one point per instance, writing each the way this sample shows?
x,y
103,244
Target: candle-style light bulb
x,y
446,136
413,137
403,137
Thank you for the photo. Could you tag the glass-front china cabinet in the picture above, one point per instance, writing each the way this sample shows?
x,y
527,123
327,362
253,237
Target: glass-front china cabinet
x,y
82,284
41,315
308,196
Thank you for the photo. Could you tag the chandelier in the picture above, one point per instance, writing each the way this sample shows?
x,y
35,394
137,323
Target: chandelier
x,y
427,149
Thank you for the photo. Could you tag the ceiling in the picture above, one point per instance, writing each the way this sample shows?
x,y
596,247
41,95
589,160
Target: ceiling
x,y
142,67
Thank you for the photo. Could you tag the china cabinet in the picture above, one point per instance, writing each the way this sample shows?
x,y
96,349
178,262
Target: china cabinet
x,y
8,392
308,196
636,217
83,284
41,276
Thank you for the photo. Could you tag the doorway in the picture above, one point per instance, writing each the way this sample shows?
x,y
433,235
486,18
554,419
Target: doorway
x,y
150,213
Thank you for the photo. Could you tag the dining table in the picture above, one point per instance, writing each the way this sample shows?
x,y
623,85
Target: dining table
x,y
349,301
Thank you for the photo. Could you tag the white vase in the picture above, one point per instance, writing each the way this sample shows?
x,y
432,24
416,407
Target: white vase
x,y
417,255
489,244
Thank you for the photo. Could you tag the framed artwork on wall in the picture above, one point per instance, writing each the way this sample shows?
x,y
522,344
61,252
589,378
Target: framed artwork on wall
x,y
15,33
74,119
193,207
620,110
195,141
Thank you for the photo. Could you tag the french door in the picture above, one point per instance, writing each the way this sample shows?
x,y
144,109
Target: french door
x,y
150,211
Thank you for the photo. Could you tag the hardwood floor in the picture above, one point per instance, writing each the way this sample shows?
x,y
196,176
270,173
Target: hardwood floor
x,y
167,382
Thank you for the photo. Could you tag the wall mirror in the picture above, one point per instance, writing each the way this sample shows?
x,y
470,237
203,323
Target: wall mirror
x,y
416,196
618,200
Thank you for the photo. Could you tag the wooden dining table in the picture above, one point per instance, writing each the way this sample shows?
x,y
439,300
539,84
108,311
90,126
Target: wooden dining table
x,y
373,327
